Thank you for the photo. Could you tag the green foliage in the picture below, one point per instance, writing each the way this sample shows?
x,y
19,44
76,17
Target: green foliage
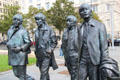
x,y
4,62
31,60
95,16
60,10
6,20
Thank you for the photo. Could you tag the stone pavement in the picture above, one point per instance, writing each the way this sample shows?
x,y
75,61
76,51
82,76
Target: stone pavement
x,y
59,74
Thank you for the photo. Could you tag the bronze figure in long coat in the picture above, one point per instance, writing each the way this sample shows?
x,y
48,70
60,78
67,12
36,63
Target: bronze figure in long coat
x,y
18,48
45,43
70,46
93,44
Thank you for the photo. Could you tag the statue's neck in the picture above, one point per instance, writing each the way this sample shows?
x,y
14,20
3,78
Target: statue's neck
x,y
87,19
41,26
17,27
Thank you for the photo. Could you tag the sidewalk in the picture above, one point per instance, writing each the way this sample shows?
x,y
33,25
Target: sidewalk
x,y
59,74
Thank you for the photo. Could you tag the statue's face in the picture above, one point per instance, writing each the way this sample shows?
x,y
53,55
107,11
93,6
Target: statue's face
x,y
70,22
39,21
85,12
16,21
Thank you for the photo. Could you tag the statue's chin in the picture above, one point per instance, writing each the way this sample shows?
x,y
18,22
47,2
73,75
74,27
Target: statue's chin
x,y
16,26
87,18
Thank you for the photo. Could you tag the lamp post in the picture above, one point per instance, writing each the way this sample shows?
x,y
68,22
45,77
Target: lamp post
x,y
112,24
91,2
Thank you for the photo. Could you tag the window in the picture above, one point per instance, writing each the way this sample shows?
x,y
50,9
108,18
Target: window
x,y
4,4
0,10
94,8
108,7
16,2
39,6
0,3
47,5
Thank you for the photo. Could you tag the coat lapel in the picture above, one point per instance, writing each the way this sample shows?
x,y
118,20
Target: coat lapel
x,y
76,36
81,34
91,29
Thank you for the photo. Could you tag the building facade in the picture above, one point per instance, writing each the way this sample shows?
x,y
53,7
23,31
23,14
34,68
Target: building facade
x,y
3,3
46,4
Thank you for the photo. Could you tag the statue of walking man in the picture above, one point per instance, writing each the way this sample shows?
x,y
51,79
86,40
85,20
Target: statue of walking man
x,y
93,44
18,48
70,46
45,43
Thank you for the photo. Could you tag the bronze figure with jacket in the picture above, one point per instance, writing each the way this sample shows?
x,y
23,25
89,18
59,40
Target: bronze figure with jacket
x,y
18,48
45,43
70,46
93,44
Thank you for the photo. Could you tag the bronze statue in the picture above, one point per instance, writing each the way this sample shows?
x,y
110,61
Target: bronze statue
x,y
70,46
109,69
18,48
93,44
45,43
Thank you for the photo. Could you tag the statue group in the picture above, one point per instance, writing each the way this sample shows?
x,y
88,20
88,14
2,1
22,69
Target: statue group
x,y
84,47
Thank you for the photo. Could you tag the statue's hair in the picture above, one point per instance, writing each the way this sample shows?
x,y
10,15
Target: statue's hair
x,y
84,5
72,17
19,16
40,15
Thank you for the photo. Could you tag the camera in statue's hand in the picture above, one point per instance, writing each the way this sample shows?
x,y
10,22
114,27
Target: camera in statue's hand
x,y
49,51
16,49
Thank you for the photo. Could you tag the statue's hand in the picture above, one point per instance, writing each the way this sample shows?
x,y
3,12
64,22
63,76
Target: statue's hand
x,y
17,49
49,51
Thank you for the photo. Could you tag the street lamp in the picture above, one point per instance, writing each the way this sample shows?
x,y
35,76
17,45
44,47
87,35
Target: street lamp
x,y
91,2
112,24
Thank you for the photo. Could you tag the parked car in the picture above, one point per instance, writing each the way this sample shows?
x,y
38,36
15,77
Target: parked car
x,y
117,42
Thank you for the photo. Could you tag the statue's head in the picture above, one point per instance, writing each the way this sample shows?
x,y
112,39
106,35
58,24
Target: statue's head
x,y
71,21
40,19
85,11
17,20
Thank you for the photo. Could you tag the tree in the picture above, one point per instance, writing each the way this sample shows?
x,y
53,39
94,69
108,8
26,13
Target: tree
x,y
6,21
95,16
58,13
